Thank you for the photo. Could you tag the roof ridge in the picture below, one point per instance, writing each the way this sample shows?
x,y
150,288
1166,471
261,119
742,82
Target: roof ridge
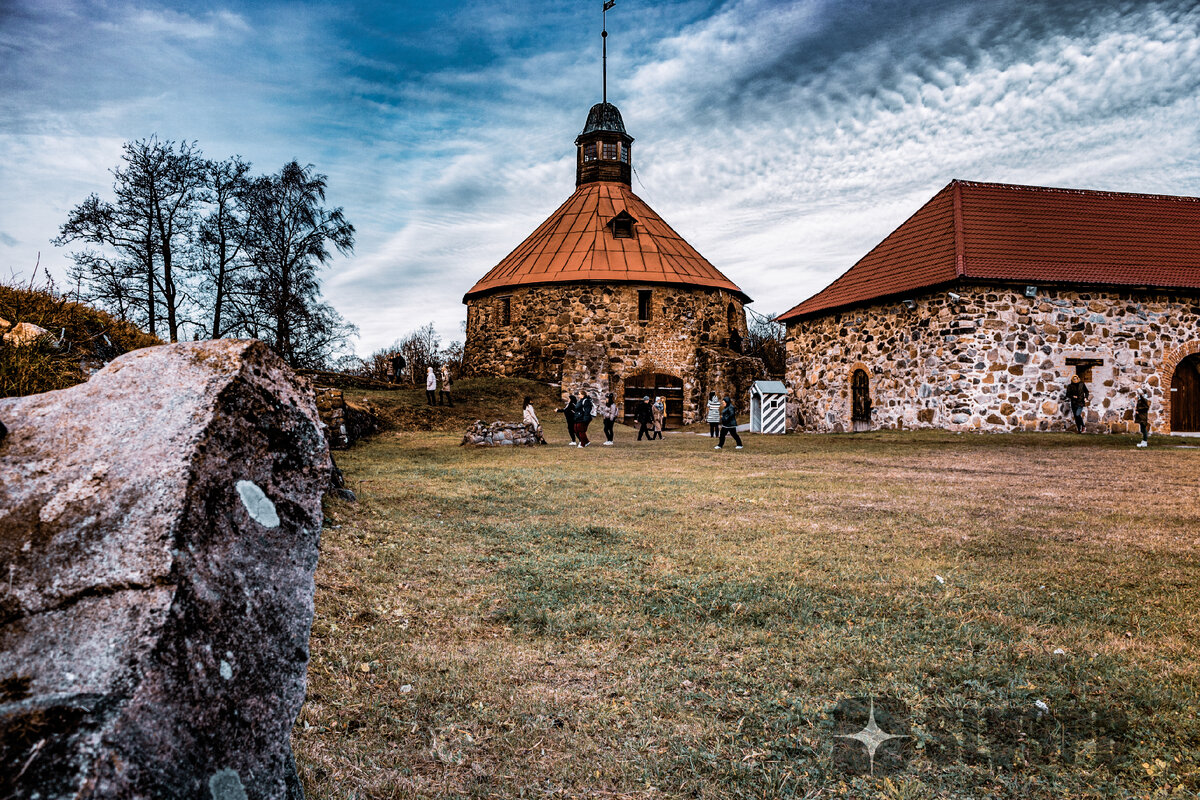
x,y
1071,191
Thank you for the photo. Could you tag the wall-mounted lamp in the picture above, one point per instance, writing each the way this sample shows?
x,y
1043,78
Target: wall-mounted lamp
x,y
1031,291
910,304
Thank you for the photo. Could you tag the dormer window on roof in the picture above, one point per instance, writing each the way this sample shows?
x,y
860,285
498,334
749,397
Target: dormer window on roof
x,y
621,226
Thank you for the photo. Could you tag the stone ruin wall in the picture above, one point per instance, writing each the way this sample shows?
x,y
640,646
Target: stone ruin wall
x,y
500,434
331,407
994,360
588,336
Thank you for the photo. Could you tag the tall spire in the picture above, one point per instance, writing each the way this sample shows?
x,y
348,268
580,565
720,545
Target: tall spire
x,y
604,40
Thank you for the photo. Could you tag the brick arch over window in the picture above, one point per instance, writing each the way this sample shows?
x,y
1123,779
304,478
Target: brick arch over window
x,y
1166,374
857,365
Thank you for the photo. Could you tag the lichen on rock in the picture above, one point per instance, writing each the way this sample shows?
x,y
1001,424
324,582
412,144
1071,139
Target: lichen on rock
x,y
159,541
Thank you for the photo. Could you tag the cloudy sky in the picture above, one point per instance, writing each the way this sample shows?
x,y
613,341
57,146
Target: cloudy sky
x,y
782,139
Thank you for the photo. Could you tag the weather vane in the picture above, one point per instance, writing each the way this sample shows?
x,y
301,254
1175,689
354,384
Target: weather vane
x,y
604,38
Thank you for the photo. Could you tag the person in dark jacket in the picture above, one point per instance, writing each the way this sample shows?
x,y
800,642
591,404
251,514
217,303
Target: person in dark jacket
x,y
644,416
1077,396
568,412
1141,415
398,365
728,425
585,409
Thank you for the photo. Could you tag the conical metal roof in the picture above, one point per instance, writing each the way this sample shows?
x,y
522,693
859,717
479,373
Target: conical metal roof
x,y
576,244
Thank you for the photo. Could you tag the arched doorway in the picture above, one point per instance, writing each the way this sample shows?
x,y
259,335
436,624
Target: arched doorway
x,y
1185,395
652,385
860,400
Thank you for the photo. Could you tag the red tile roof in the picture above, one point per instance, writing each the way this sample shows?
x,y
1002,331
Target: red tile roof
x,y
998,232
575,244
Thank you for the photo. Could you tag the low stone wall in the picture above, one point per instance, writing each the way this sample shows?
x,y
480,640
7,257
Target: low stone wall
x,y
500,434
331,406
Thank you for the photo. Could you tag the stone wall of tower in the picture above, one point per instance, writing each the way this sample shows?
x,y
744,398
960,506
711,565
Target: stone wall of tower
x,y
994,360
589,336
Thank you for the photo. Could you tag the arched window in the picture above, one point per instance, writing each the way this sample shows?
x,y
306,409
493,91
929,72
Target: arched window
x,y
860,396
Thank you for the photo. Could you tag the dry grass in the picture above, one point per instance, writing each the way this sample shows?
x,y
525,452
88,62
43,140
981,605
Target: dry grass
x,y
659,620
49,363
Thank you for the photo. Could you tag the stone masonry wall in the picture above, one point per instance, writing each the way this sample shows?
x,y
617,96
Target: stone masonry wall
x,y
331,406
994,360
499,434
589,335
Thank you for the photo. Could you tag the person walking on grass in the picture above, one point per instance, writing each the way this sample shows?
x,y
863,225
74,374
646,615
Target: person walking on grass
x,y
431,387
446,384
568,412
714,415
1077,395
643,415
658,413
529,416
728,425
608,410
1141,415
584,411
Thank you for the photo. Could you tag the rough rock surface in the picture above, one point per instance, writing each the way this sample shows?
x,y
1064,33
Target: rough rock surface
x,y
158,536
24,333
499,434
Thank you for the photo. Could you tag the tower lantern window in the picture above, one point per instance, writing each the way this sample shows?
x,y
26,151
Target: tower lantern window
x,y
589,151
610,151
625,153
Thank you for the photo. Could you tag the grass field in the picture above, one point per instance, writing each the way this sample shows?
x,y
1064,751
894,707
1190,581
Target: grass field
x,y
661,620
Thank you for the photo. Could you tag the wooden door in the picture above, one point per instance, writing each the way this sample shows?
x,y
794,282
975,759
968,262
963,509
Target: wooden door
x,y
860,397
1185,395
655,384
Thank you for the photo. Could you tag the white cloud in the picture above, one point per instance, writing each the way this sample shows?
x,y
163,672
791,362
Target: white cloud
x,y
782,139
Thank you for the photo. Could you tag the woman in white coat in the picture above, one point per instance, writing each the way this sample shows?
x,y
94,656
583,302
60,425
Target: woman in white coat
x,y
431,387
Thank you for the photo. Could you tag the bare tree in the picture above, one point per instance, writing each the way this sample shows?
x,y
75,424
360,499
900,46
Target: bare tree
x,y
221,239
119,276
764,340
290,234
144,232
421,349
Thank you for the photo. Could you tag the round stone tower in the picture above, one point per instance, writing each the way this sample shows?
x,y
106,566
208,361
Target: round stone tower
x,y
604,295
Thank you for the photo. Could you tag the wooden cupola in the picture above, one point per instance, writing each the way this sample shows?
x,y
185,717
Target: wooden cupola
x,y
603,147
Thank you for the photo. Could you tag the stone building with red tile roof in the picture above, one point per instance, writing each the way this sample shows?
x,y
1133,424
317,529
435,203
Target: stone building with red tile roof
x,y
976,311
605,295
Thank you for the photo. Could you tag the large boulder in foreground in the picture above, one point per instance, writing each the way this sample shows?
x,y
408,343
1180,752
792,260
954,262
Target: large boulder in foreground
x,y
158,535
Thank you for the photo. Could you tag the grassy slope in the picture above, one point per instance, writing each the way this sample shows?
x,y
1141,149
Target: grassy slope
x,y
45,366
554,622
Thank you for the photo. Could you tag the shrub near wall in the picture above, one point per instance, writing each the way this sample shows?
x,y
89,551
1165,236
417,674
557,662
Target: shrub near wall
x,y
995,360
